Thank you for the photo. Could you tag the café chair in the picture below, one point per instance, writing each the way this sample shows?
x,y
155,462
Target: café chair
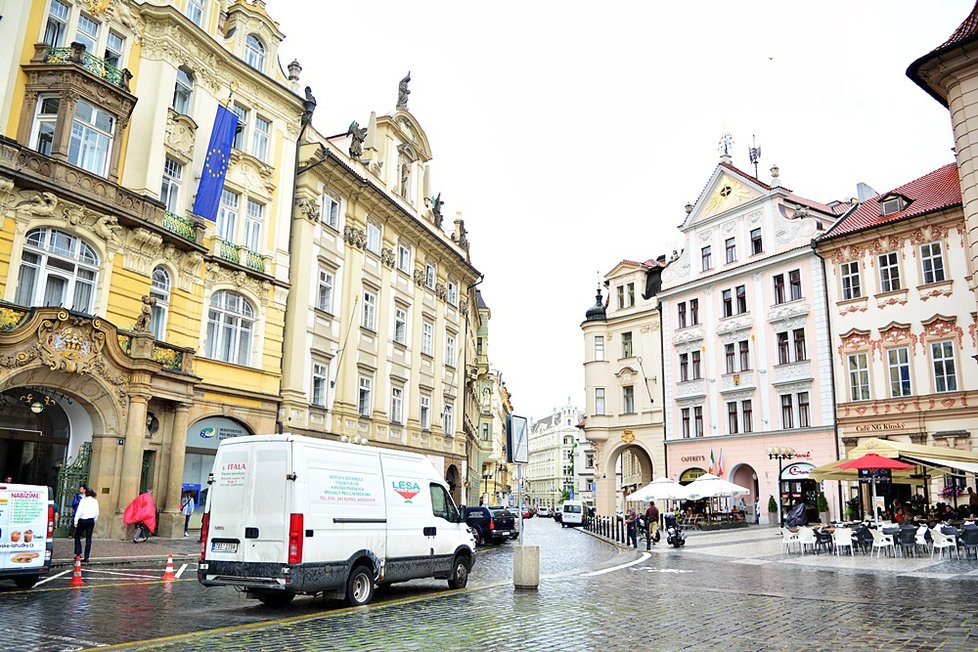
x,y
969,539
842,538
920,539
806,539
942,542
881,542
789,540
823,540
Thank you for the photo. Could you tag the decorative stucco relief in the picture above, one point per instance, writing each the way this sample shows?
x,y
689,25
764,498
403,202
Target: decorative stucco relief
x,y
181,133
687,335
677,269
239,279
793,371
690,388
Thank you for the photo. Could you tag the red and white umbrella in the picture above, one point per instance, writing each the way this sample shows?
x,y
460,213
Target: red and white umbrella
x,y
874,462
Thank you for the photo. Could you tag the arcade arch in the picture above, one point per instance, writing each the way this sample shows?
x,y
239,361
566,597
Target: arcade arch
x,y
622,469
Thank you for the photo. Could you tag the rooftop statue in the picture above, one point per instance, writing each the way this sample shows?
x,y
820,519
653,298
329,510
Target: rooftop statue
x,y
403,92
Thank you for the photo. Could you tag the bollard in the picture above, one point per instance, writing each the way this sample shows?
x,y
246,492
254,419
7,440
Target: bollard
x,y
526,567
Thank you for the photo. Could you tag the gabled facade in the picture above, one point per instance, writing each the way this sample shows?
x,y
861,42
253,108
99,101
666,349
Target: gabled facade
x,y
904,330
746,359
152,332
622,363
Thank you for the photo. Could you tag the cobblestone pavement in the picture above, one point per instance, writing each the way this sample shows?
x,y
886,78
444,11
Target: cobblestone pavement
x,y
670,599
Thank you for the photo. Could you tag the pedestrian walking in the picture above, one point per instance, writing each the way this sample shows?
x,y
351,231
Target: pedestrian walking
x,y
757,510
631,528
187,506
82,489
85,517
973,502
651,525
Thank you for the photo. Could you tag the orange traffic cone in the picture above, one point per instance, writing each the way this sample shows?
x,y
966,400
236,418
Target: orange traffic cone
x,y
76,576
168,575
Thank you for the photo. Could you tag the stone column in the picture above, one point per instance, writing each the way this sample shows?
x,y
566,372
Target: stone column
x,y
172,519
132,459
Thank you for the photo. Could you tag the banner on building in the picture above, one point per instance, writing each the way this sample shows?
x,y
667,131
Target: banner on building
x,y
216,164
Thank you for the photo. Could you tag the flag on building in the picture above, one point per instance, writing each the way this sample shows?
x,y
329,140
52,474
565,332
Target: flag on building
x,y
719,470
713,467
216,164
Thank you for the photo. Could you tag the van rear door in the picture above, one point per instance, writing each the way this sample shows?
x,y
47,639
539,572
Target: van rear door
x,y
248,502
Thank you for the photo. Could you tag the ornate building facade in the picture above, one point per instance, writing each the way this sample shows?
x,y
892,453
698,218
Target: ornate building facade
x,y
553,451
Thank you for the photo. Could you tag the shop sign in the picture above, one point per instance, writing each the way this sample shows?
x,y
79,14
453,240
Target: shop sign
x,y
693,458
880,427
210,432
797,471
690,474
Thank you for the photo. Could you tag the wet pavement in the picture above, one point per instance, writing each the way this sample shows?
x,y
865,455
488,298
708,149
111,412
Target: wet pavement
x,y
589,599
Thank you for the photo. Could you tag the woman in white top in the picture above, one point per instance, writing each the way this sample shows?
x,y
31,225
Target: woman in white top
x,y
85,517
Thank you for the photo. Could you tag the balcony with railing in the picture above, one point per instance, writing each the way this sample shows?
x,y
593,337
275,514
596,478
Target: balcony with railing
x,y
242,255
185,227
77,55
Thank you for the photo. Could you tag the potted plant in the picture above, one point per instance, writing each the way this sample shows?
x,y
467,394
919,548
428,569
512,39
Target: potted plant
x,y
823,508
772,510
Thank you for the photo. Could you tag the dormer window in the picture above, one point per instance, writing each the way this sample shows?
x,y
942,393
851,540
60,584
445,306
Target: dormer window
x,y
255,52
892,204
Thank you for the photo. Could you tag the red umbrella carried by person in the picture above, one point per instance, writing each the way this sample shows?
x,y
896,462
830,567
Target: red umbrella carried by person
x,y
874,462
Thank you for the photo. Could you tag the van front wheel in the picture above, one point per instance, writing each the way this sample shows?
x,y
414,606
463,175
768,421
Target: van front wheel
x,y
360,586
460,574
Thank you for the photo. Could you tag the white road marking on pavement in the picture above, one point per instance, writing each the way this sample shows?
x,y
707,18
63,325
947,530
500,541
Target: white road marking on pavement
x,y
644,556
54,577
667,570
180,572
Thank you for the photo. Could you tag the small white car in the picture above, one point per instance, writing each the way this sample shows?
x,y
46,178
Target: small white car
x,y
543,512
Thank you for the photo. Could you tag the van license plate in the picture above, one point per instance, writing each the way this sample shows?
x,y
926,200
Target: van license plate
x,y
224,546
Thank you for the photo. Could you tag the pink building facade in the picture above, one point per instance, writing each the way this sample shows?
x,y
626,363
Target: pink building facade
x,y
747,364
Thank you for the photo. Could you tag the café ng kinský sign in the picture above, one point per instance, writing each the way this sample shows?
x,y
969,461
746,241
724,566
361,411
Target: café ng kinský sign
x,y
880,427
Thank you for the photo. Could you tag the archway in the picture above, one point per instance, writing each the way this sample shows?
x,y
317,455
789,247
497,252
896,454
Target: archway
x,y
34,435
625,468
746,476
203,438
454,486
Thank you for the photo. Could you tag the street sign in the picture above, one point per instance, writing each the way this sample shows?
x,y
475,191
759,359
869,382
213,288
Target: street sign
x,y
517,440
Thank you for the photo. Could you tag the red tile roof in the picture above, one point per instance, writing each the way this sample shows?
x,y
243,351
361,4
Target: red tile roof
x,y
966,32
932,192
752,179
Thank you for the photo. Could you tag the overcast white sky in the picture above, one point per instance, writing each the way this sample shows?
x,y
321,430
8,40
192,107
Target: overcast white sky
x,y
571,134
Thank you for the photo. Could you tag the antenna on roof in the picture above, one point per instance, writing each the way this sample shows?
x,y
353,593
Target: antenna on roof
x,y
754,154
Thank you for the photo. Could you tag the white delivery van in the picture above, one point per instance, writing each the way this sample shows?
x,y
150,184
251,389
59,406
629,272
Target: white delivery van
x,y
288,515
26,532
572,513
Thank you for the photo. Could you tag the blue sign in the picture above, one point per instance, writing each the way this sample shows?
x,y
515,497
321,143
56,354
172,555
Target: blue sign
x,y
571,492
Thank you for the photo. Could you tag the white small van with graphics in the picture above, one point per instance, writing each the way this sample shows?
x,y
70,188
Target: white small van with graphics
x,y
289,515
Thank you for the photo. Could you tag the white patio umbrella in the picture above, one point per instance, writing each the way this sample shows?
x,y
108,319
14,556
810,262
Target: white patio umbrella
x,y
659,489
711,486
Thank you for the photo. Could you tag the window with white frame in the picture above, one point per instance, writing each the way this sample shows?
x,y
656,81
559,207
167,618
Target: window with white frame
x,y
87,33
889,272
747,415
698,421
849,274
397,405
404,258
733,424
170,187
448,420
628,399
684,419
756,243
319,379
254,216
599,347
369,319
45,124
227,215
241,135
92,131
259,138
427,338
932,262
452,295
114,47
331,211
794,283
159,290
804,410
730,357
779,293
366,386
599,406
450,349
787,411
730,246
942,356
706,258
324,294
183,91
726,297
255,52
683,367
429,276
425,412
858,366
898,363
681,315
195,12
741,291
57,269
626,345
744,346
798,335
373,237
400,325
695,358
694,312
230,325
56,30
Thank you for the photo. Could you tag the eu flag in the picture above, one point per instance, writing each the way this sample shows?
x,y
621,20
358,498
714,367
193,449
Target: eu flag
x,y
216,164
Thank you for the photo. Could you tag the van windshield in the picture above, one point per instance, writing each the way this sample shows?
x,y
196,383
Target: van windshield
x,y
572,509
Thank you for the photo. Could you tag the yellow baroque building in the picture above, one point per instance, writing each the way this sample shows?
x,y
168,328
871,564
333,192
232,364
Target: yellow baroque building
x,y
135,335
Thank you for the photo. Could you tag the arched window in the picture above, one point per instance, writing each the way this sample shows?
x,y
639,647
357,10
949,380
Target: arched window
x,y
57,269
230,324
183,90
160,290
255,52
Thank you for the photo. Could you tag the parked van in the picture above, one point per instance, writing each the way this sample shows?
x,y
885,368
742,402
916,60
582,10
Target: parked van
x,y
572,513
288,515
26,532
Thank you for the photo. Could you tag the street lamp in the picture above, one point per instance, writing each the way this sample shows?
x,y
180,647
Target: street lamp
x,y
487,477
780,453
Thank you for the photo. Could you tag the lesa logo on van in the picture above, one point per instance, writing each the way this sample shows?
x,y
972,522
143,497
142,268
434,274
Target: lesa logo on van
x,y
406,488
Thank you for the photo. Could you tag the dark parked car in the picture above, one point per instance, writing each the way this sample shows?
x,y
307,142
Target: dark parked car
x,y
491,525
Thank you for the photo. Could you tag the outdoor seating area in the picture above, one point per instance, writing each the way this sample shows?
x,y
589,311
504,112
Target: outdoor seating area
x,y
888,540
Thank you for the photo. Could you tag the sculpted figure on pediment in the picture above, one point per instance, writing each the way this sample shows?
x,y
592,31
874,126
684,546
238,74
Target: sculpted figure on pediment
x,y
38,204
